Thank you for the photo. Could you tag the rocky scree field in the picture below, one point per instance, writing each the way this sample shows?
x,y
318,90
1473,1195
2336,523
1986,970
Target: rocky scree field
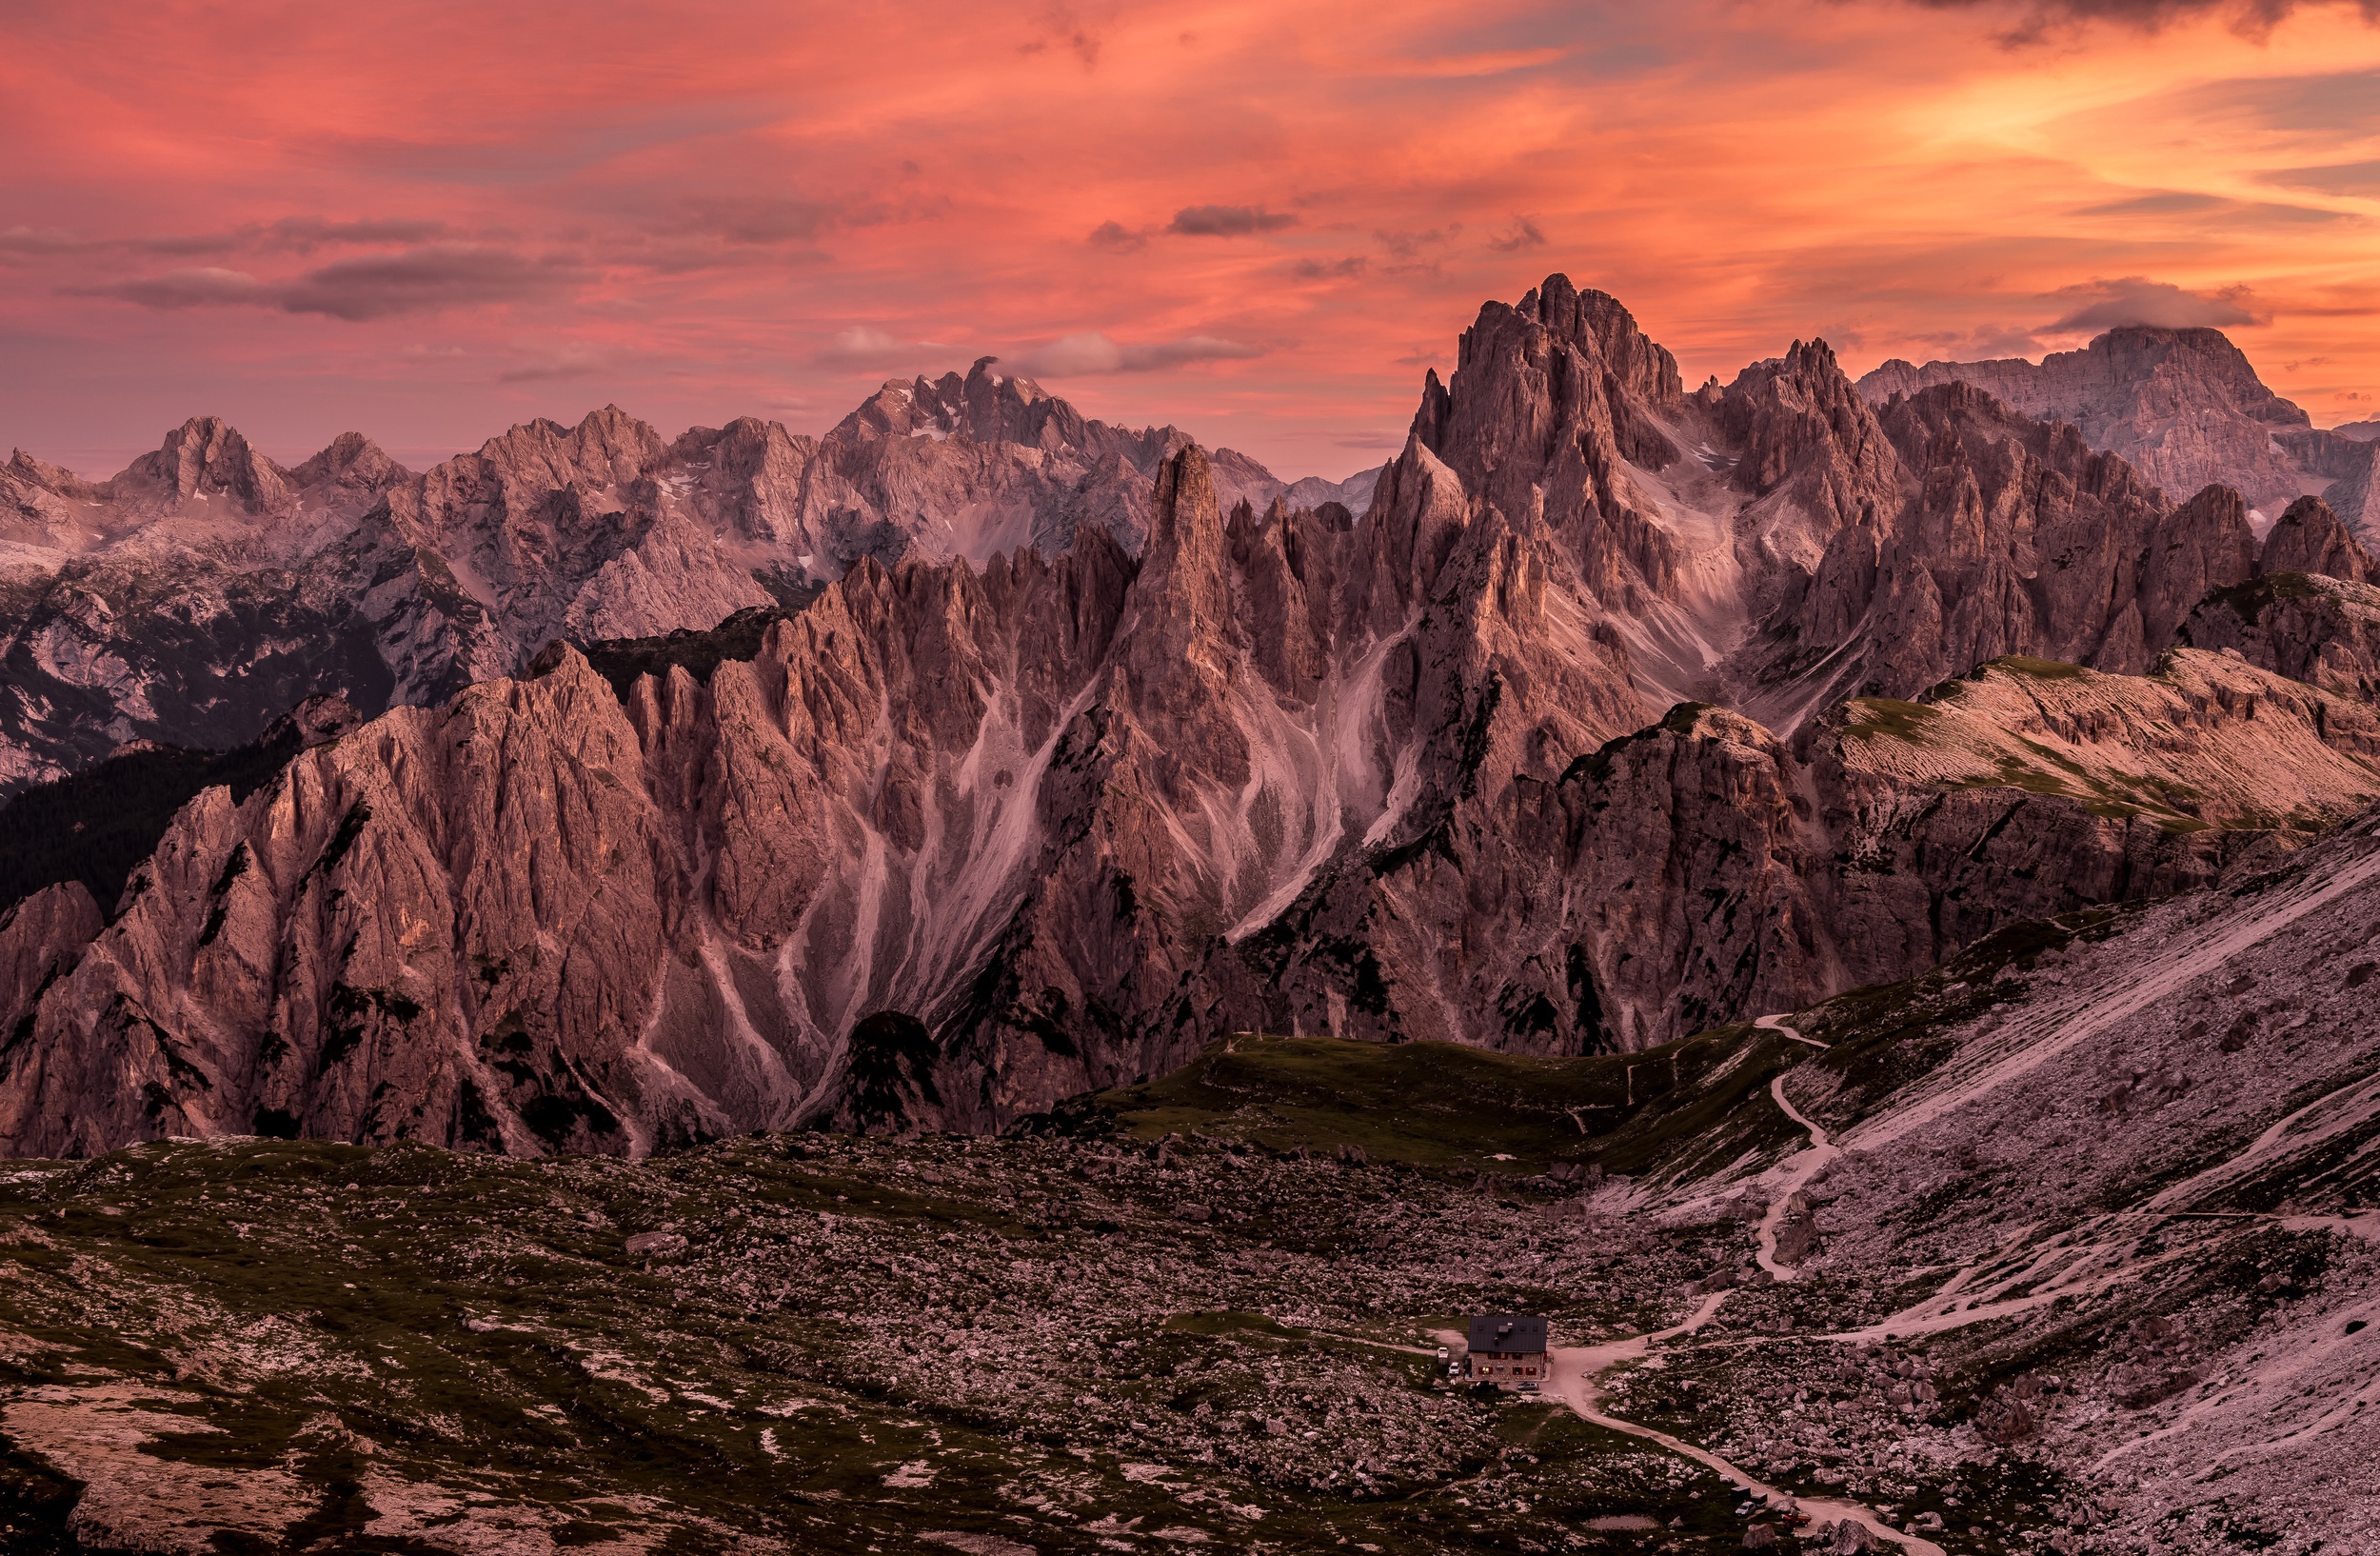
x,y
2085,1264
1068,1340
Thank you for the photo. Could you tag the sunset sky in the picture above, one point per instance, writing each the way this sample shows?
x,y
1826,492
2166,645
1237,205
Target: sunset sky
x,y
1259,221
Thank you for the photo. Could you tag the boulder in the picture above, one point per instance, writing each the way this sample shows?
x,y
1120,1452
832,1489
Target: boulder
x,y
656,1246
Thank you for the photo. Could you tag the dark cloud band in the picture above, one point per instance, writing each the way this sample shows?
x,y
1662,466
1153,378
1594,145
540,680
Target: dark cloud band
x,y
422,280
2036,18
1227,221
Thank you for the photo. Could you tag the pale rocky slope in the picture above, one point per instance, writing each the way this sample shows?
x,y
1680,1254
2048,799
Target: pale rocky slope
x,y
2118,1185
2207,741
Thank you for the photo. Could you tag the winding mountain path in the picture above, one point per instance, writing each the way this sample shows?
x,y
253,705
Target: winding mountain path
x,y
1776,1023
1799,1168
1575,1368
2079,1265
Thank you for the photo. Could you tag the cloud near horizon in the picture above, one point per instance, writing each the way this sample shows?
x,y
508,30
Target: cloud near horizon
x,y
1227,221
2034,20
1093,354
2137,300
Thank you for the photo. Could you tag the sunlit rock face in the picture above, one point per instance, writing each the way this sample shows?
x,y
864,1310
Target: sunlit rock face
x,y
1617,712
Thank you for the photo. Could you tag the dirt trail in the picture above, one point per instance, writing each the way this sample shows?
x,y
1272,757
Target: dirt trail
x,y
1575,1371
2093,1266
1575,1368
1776,1025
1799,1168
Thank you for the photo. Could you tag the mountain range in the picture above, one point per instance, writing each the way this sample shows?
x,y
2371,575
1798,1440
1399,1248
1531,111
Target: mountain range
x,y
2183,409
198,596
1619,712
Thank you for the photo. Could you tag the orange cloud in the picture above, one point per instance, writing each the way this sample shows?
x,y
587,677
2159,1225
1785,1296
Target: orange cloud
x,y
425,219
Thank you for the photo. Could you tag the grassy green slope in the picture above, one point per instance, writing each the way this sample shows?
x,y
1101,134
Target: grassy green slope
x,y
1441,1105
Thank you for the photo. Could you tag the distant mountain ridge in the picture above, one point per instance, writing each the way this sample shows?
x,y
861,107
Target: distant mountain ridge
x,y
2182,407
206,589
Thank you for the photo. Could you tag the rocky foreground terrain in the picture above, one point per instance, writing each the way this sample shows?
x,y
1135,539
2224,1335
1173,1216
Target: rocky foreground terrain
x,y
2069,1246
1862,909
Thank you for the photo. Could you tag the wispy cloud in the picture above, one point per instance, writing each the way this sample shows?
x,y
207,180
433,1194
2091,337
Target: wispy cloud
x,y
423,280
743,220
2034,20
703,198
305,233
1118,238
1078,30
204,287
2349,178
1094,353
865,349
563,363
301,234
1522,233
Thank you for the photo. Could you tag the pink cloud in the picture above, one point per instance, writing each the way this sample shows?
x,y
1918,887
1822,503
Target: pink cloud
x,y
727,207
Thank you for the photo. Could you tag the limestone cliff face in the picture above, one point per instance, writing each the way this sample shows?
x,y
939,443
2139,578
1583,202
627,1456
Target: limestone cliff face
x,y
950,847
1700,870
2310,538
2322,630
2355,495
956,844
2015,538
41,939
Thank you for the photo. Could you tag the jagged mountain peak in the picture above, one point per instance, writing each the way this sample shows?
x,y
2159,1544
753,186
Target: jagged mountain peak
x,y
1811,359
982,405
2310,538
1787,411
606,447
349,461
1554,394
1646,369
1957,422
1065,815
204,457
2198,355
56,479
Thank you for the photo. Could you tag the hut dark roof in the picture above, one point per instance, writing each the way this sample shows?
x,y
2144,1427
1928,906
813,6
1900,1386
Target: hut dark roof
x,y
1507,1332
